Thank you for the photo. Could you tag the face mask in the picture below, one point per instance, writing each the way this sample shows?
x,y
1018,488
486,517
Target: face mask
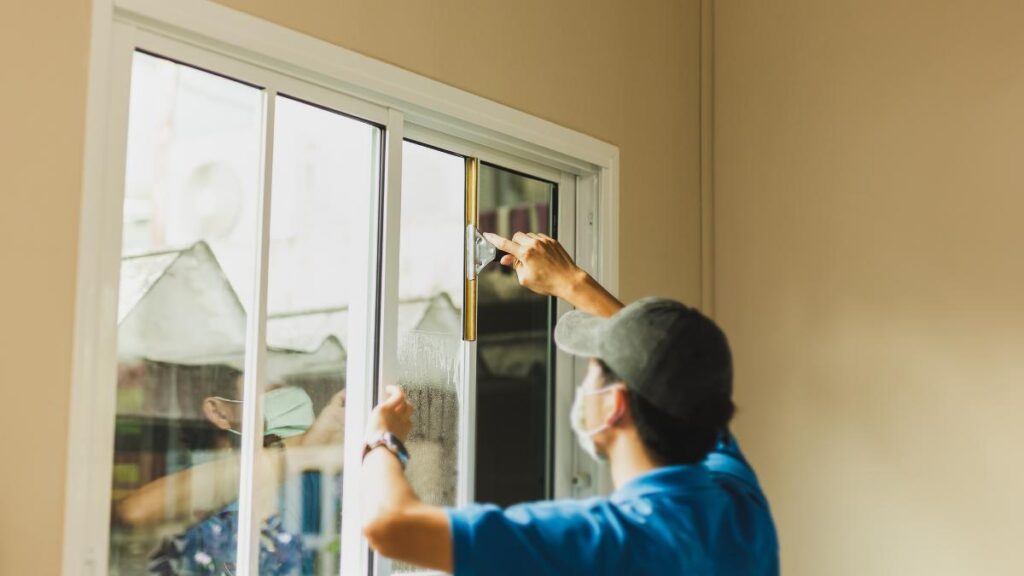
x,y
287,412
583,436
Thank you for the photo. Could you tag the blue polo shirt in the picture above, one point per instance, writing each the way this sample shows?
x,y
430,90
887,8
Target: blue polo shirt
x,y
707,519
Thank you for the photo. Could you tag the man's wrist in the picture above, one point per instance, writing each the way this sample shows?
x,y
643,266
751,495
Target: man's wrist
x,y
391,442
587,295
578,283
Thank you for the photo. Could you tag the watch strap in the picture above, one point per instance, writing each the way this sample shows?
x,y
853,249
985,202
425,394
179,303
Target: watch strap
x,y
393,445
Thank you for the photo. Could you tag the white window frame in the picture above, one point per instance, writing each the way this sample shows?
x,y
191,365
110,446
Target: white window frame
x,y
407,105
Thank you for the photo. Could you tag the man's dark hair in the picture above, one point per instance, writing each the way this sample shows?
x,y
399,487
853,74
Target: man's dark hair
x,y
670,440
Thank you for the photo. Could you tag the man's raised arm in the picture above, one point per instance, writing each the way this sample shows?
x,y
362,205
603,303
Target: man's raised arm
x,y
543,266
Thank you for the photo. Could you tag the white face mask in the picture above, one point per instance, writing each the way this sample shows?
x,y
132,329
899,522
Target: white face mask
x,y
583,436
287,412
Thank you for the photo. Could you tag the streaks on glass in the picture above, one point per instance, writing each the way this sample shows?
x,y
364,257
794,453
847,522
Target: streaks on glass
x,y
429,372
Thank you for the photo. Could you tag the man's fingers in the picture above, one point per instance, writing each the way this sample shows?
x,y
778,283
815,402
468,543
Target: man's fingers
x,y
522,239
508,260
504,244
395,396
544,236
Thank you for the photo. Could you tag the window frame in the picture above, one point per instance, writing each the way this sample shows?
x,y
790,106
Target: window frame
x,y
404,105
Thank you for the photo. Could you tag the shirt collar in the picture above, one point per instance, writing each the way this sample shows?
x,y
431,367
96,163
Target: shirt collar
x,y
667,479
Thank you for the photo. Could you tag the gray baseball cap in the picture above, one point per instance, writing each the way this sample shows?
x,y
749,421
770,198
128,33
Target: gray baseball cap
x,y
668,353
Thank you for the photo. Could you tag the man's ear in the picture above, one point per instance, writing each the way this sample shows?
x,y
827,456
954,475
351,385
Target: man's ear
x,y
217,412
620,407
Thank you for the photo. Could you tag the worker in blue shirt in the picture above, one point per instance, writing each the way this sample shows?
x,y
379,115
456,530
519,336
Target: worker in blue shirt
x,y
655,403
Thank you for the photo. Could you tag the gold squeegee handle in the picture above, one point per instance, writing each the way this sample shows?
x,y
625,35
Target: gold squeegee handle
x,y
472,218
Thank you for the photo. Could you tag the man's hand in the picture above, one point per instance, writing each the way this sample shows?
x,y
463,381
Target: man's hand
x,y
543,265
540,262
393,415
329,427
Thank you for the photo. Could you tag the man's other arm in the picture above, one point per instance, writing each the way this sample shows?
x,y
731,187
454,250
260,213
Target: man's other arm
x,y
396,523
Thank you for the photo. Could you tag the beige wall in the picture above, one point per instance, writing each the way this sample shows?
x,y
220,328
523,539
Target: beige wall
x,y
870,196
626,72
43,53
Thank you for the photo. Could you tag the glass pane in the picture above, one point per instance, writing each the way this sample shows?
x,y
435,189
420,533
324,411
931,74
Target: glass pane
x,y
515,363
325,167
191,193
430,315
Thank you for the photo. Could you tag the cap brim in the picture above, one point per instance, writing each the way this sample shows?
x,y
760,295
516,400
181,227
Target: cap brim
x,y
579,333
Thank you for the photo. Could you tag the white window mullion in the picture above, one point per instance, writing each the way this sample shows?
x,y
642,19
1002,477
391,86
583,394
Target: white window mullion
x,y
390,251
372,357
466,461
561,439
588,477
255,361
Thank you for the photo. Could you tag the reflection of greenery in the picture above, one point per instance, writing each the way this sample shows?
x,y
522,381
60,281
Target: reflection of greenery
x,y
334,547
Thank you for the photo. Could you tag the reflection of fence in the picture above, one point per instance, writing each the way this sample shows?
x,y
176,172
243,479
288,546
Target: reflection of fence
x,y
507,220
311,500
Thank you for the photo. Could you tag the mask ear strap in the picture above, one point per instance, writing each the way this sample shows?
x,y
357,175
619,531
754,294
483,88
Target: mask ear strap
x,y
223,399
617,415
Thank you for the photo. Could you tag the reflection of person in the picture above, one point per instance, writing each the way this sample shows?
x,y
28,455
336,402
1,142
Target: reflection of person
x,y
655,404
206,493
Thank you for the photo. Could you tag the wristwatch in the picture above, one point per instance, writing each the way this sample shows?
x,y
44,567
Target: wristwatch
x,y
392,443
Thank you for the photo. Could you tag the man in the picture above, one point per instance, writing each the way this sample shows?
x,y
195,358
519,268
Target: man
x,y
656,403
204,497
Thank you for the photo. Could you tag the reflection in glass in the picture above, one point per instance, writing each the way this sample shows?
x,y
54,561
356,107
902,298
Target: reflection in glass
x,y
514,350
190,223
324,163
429,316
191,192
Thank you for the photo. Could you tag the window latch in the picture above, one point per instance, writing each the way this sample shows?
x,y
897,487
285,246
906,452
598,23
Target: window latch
x,y
479,252
582,481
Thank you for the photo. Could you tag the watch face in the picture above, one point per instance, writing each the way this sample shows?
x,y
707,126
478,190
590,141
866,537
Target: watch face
x,y
398,448
398,444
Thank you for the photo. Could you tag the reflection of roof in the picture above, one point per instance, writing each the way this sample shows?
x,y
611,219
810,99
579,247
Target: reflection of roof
x,y
306,329
138,274
178,307
329,356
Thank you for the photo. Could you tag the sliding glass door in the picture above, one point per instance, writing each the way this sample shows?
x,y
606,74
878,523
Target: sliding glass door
x,y
286,254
